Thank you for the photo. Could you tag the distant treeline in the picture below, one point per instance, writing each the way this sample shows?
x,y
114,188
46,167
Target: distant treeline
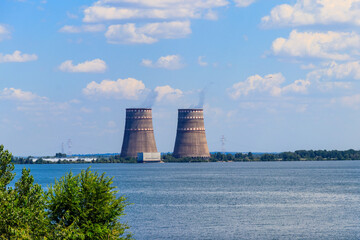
x,y
300,155
110,159
311,155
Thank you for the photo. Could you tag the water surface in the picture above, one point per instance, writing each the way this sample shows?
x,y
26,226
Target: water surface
x,y
256,200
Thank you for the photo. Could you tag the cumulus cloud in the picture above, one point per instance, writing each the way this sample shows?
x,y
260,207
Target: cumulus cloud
x,y
129,88
167,93
4,32
127,34
307,12
335,76
19,95
271,84
201,61
102,13
142,9
299,86
328,45
171,62
331,85
243,3
335,70
164,19
33,104
83,28
149,33
17,56
171,3
94,66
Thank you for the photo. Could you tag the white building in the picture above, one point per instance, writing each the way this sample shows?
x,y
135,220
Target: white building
x,y
144,157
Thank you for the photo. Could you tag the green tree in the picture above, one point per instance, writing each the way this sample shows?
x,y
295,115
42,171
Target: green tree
x,y
22,209
250,156
6,168
267,157
85,206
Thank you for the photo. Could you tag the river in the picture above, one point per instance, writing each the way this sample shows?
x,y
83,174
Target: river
x,y
252,200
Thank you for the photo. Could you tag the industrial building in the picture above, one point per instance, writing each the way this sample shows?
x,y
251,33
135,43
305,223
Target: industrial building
x,y
139,139
190,136
152,157
139,133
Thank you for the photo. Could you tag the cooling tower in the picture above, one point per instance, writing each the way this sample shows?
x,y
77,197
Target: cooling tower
x,y
139,133
190,137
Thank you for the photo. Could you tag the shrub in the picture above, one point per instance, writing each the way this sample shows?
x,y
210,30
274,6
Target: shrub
x,y
83,206
87,205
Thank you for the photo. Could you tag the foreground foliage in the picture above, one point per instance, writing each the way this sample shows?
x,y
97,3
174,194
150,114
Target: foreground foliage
x,y
86,205
82,206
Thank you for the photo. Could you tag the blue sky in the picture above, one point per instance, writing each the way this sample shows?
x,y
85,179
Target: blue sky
x,y
277,75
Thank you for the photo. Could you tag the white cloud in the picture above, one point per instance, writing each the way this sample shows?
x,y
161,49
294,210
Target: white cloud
x,y
349,101
84,28
201,61
167,93
167,30
307,12
243,3
94,66
329,45
126,34
149,33
299,86
170,3
38,107
19,95
308,66
4,32
327,86
271,83
334,75
44,109
211,15
101,13
17,56
129,88
171,62
142,9
334,70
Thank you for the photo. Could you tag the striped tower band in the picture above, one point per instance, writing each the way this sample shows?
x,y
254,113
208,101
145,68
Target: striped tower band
x,y
190,136
138,133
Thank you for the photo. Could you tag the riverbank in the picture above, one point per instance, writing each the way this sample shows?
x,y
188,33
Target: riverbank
x,y
299,155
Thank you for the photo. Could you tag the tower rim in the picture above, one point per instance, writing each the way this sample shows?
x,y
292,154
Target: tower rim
x,y
190,109
138,109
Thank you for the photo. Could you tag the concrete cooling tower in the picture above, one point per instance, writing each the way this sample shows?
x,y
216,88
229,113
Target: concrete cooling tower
x,y
139,132
190,137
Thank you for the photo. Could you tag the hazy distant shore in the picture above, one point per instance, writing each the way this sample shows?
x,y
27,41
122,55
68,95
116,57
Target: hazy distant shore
x,y
299,155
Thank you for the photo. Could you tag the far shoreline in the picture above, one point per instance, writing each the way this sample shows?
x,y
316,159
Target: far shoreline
x,y
299,156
